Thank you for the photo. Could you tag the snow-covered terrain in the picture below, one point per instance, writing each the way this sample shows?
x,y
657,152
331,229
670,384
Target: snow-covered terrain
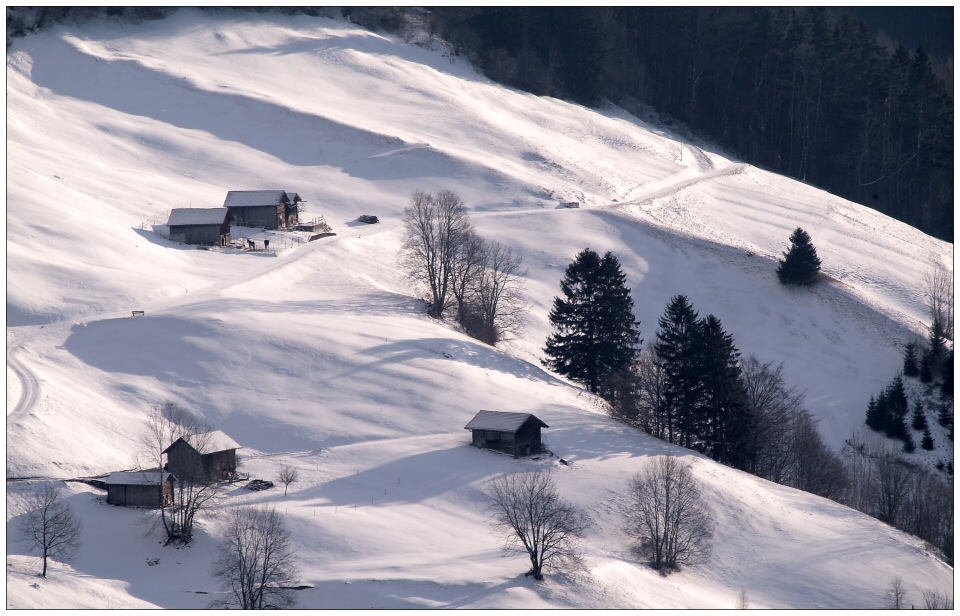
x,y
319,356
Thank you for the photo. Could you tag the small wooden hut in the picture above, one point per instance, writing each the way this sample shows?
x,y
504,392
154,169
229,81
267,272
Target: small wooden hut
x,y
210,456
266,209
140,488
203,226
517,434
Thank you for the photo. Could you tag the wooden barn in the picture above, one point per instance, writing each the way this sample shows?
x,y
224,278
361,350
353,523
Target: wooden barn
x,y
200,226
210,456
266,209
517,434
140,488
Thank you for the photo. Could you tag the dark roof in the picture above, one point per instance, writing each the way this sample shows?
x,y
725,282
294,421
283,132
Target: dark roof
x,y
293,197
501,422
247,198
137,478
213,441
198,216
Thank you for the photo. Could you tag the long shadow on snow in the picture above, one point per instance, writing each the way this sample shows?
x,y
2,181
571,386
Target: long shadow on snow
x,y
294,137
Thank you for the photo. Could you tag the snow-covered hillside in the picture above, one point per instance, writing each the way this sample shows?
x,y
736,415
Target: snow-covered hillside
x,y
319,356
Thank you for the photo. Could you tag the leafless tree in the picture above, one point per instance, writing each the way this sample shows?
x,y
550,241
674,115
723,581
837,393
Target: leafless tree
x,y
534,519
467,261
895,596
936,600
256,563
667,516
50,525
939,290
774,405
498,293
193,491
893,476
434,229
743,602
287,475
817,469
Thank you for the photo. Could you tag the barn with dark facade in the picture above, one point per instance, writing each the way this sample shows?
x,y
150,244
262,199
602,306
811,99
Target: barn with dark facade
x,y
200,226
210,456
266,209
517,434
140,488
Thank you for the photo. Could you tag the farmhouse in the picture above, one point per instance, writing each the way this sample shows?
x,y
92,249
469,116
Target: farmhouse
x,y
210,456
140,488
515,433
201,226
267,209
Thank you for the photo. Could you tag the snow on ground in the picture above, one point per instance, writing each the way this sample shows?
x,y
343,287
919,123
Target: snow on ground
x,y
319,356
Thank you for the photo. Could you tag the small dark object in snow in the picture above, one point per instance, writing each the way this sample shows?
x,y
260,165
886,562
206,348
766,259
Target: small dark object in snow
x,y
258,484
564,462
153,561
369,219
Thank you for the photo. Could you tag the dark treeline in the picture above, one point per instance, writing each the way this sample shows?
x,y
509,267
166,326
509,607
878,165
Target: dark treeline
x,y
806,92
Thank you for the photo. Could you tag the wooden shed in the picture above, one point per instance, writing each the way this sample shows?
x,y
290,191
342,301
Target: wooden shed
x,y
210,456
517,434
200,226
266,209
140,488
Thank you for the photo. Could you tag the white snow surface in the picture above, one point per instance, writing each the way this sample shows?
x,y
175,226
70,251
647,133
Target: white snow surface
x,y
318,355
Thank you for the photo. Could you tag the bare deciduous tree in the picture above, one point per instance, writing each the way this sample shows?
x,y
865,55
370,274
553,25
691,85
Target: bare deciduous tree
x,y
497,299
666,515
773,405
467,261
939,290
193,492
936,600
743,602
535,520
435,227
256,563
895,596
49,525
287,475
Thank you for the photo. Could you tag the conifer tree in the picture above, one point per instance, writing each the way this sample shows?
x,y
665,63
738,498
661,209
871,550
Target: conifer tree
x,y
677,352
876,417
908,445
896,409
724,423
927,442
910,367
800,264
596,334
919,418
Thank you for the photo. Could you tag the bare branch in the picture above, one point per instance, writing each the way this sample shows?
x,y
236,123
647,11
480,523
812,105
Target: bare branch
x,y
50,525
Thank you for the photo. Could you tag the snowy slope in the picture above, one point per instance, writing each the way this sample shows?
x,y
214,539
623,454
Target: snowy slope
x,y
319,356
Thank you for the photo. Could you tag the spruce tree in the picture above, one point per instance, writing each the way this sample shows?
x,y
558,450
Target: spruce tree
x,y
876,417
800,264
596,334
908,445
910,367
927,441
919,418
725,423
896,409
677,351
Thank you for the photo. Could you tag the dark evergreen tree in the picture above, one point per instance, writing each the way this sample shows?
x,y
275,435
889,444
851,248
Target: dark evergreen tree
x,y
725,423
926,367
919,418
945,413
946,374
927,442
800,264
908,445
596,334
876,416
677,351
935,356
896,409
910,367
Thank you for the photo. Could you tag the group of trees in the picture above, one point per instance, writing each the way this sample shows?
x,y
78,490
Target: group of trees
x,y
457,268
662,507
806,92
882,483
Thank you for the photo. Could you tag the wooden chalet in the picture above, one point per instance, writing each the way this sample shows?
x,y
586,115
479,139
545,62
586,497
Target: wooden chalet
x,y
200,226
210,456
266,209
140,488
517,434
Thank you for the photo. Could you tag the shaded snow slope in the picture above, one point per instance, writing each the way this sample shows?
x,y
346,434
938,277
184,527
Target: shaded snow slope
x,y
320,356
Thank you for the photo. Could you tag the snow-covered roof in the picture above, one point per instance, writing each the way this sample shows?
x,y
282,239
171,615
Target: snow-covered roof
x,y
212,441
198,216
241,198
501,421
137,478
